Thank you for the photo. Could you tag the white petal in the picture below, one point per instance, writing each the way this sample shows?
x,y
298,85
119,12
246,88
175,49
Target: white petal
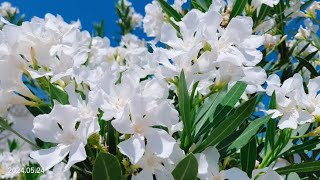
x,y
123,124
163,174
160,142
169,36
134,148
304,117
314,85
208,163
46,128
143,175
234,174
77,154
270,174
275,113
65,115
238,30
289,120
47,158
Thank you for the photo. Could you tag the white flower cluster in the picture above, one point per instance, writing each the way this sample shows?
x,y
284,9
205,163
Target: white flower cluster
x,y
7,10
294,105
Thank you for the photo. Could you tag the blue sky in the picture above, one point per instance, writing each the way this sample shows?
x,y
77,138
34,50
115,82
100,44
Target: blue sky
x,y
88,11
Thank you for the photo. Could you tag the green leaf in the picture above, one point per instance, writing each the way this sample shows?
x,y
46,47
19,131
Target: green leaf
x,y
202,5
185,106
249,132
271,127
225,128
309,66
58,94
248,155
111,139
169,10
264,10
106,166
206,111
308,58
186,169
306,146
218,107
238,8
224,145
299,168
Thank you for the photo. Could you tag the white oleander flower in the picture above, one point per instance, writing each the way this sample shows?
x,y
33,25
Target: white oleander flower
x,y
152,165
160,167
208,167
271,40
64,127
312,9
294,105
304,33
115,96
258,3
293,10
153,20
206,51
266,26
138,120
46,47
7,9
178,5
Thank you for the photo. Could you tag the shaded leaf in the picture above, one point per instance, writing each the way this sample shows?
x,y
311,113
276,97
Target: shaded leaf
x,y
302,167
230,124
248,155
218,107
187,168
309,66
249,132
107,167
185,105
58,94
169,10
238,8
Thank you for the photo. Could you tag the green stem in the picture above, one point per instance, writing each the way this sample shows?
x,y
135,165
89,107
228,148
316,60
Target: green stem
x,y
7,127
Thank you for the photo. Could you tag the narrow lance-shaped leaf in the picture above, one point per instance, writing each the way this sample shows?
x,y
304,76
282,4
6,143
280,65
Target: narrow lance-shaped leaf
x,y
185,106
305,167
230,124
271,127
200,4
249,132
223,146
238,8
107,167
248,155
264,10
308,145
187,168
307,58
218,107
309,66
58,94
169,10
